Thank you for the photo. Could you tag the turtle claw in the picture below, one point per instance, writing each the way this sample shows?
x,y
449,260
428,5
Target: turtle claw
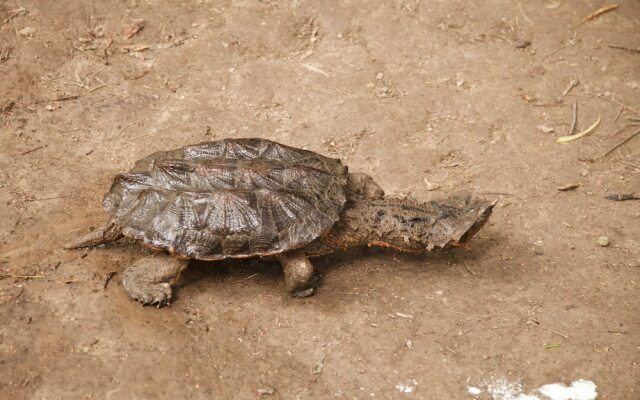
x,y
308,289
304,293
148,293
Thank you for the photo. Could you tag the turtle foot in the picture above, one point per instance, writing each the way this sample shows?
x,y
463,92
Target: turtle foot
x,y
150,280
298,273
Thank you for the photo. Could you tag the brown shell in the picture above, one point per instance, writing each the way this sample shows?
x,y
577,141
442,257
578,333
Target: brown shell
x,y
229,198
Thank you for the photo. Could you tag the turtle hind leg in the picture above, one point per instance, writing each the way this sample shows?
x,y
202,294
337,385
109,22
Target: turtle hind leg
x,y
106,233
298,273
149,280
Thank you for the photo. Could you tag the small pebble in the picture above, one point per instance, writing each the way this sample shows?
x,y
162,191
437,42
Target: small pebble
x,y
27,31
544,128
603,241
266,391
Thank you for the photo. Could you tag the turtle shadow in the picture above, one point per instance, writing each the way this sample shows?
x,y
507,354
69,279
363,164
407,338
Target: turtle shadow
x,y
264,275
264,271
480,249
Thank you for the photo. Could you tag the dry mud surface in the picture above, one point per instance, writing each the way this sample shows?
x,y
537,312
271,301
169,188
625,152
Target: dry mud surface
x,y
429,97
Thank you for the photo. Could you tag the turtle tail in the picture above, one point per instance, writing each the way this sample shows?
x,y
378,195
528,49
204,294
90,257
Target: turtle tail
x,y
107,233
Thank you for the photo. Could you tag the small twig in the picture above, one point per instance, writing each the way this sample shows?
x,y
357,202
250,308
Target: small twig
x,y
46,198
597,13
14,297
107,279
615,46
469,270
572,83
251,276
574,117
622,197
566,188
98,87
18,12
636,166
620,130
32,150
523,14
67,97
619,114
315,69
626,107
620,143
247,278
61,82
470,315
536,323
552,52
87,53
4,276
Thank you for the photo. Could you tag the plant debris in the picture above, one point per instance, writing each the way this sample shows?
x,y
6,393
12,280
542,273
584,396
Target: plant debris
x,y
317,368
6,107
572,83
571,138
597,13
533,322
545,128
131,30
27,31
622,197
574,117
134,47
266,391
632,50
18,12
566,188
4,276
108,277
5,53
32,150
621,143
315,69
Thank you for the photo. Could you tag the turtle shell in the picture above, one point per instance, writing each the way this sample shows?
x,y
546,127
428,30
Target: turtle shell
x,y
229,198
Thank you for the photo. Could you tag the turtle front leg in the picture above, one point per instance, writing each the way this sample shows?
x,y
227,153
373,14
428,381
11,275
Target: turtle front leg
x,y
298,273
149,280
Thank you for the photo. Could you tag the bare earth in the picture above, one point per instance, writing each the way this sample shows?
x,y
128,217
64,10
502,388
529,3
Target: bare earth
x,y
429,97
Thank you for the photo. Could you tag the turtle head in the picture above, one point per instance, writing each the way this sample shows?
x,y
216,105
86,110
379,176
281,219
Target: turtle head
x,y
411,226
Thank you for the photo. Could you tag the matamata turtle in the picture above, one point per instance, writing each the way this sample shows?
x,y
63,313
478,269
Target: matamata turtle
x,y
239,198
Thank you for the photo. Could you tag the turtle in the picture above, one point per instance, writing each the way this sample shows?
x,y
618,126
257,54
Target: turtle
x,y
253,197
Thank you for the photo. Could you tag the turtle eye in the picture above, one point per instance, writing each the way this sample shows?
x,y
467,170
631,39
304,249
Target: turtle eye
x,y
380,215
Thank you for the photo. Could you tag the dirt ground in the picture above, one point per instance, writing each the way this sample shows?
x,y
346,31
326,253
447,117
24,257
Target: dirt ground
x,y
429,97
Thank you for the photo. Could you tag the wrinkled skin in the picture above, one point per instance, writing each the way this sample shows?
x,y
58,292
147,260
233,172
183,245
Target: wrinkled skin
x,y
268,212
